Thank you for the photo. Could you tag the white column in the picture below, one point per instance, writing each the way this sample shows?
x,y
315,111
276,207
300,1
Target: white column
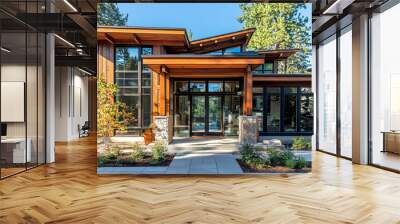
x,y
360,90
50,99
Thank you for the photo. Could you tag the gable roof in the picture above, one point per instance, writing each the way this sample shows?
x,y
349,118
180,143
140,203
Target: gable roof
x,y
175,40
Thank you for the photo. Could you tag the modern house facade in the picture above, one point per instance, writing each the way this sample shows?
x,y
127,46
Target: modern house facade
x,y
204,85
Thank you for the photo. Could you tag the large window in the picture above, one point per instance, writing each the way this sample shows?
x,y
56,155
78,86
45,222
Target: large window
x,y
385,89
284,110
327,95
267,68
134,81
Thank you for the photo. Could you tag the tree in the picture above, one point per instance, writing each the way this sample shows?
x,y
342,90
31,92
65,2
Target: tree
x,y
111,114
108,14
280,26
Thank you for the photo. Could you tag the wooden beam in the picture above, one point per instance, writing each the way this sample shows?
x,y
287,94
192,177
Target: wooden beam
x,y
109,39
136,39
167,94
155,89
162,106
248,93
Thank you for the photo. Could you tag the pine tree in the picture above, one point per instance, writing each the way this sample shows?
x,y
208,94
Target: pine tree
x,y
108,14
280,26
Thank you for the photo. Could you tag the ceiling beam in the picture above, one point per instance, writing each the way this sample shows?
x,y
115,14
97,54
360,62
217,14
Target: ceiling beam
x,y
136,39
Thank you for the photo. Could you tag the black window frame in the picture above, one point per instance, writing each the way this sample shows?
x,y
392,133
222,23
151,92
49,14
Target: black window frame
x,y
282,131
140,127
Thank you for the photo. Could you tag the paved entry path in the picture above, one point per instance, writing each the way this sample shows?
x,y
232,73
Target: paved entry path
x,y
204,155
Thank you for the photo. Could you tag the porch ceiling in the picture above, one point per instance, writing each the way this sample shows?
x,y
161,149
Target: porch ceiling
x,y
196,62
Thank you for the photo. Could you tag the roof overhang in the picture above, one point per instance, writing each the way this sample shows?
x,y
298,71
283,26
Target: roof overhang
x,y
143,35
164,63
277,54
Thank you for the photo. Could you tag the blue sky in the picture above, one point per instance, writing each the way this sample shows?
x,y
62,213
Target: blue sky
x,y
203,19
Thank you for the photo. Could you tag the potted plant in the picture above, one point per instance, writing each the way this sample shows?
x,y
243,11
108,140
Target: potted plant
x,y
149,134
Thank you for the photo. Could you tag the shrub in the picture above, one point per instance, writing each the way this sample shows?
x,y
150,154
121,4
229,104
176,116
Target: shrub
x,y
158,151
103,160
300,163
300,143
279,157
112,153
138,152
290,163
250,156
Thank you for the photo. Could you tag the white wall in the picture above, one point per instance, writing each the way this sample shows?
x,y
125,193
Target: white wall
x,y
71,102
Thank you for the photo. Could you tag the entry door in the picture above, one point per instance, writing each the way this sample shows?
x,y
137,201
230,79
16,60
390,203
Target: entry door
x,y
214,114
198,120
206,115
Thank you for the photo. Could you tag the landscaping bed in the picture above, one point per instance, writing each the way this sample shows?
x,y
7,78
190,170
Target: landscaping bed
x,y
127,161
136,155
271,160
247,168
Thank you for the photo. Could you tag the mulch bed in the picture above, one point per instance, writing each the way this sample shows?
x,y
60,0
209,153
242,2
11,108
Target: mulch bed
x,y
278,169
147,161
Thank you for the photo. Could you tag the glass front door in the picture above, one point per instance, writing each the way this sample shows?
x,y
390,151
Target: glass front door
x,y
198,114
206,115
206,107
214,114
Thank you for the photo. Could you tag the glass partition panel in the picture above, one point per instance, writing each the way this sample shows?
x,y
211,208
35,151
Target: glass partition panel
x,y
385,89
31,98
346,93
327,95
14,153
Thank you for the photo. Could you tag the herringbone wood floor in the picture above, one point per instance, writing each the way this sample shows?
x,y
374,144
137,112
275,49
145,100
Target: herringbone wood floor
x,y
69,191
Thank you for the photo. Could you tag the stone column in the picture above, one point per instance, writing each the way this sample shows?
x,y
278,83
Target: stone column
x,y
164,129
248,130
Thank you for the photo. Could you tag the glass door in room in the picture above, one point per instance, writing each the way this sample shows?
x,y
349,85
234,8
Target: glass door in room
x,y
198,121
206,115
214,114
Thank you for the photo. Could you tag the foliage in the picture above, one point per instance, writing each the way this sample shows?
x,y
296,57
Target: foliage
x,y
280,26
138,152
112,153
111,114
158,151
108,14
279,157
250,156
296,163
300,143
300,163
104,160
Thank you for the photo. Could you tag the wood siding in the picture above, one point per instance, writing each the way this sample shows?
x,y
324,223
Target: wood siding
x,y
105,61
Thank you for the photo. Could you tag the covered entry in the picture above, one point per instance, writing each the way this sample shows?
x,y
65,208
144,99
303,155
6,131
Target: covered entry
x,y
206,106
203,94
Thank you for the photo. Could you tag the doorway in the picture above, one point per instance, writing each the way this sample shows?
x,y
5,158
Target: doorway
x,y
206,114
206,107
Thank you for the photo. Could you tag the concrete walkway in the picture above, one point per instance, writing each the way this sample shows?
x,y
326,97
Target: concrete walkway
x,y
203,155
